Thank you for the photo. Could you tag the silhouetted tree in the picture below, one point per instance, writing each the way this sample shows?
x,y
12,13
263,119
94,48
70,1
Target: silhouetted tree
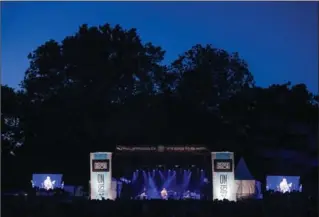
x,y
209,76
12,135
102,86
76,88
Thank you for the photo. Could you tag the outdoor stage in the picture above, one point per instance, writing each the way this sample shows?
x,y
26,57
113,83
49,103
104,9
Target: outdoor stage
x,y
169,172
158,172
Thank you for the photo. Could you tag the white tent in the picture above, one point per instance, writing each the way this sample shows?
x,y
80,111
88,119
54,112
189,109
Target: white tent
x,y
247,186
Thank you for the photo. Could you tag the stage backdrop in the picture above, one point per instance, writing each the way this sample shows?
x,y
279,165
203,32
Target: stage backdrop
x,y
101,175
224,186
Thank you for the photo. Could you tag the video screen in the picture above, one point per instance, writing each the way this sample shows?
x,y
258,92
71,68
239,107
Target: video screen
x,y
47,181
283,184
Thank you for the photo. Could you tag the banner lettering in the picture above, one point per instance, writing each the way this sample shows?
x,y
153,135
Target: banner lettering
x,y
101,175
161,148
223,176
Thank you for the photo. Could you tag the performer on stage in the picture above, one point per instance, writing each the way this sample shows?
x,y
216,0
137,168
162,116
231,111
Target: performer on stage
x,y
284,186
164,194
143,196
48,184
187,194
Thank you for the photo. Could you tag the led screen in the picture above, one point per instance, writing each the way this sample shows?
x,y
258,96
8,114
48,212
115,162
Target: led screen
x,y
283,184
47,181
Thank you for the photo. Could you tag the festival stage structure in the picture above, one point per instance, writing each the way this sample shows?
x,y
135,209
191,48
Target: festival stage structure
x,y
167,172
177,172
224,186
101,176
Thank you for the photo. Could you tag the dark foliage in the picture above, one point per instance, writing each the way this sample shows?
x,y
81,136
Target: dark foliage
x,y
102,86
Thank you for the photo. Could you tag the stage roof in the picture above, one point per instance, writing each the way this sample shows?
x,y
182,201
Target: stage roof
x,y
133,157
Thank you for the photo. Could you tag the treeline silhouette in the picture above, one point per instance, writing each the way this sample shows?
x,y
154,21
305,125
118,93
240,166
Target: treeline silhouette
x,y
102,86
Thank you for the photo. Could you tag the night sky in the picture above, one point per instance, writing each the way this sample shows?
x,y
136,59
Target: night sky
x,y
279,40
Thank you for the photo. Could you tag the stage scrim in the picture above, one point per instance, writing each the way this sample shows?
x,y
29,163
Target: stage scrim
x,y
224,186
101,175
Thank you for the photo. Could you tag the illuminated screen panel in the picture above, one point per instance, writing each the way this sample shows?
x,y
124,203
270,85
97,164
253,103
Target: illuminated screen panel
x,y
283,184
224,165
47,181
100,165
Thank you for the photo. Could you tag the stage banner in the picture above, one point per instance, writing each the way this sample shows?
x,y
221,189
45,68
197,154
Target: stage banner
x,y
101,175
224,185
162,148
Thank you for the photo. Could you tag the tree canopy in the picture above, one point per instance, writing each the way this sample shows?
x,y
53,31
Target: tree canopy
x,y
103,86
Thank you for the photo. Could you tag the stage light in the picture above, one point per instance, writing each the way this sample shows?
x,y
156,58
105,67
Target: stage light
x,y
202,170
193,166
176,166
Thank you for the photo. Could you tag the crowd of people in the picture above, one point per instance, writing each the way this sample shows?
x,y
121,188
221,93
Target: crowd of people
x,y
274,205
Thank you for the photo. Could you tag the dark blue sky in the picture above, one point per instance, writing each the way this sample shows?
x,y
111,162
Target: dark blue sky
x,y
279,40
